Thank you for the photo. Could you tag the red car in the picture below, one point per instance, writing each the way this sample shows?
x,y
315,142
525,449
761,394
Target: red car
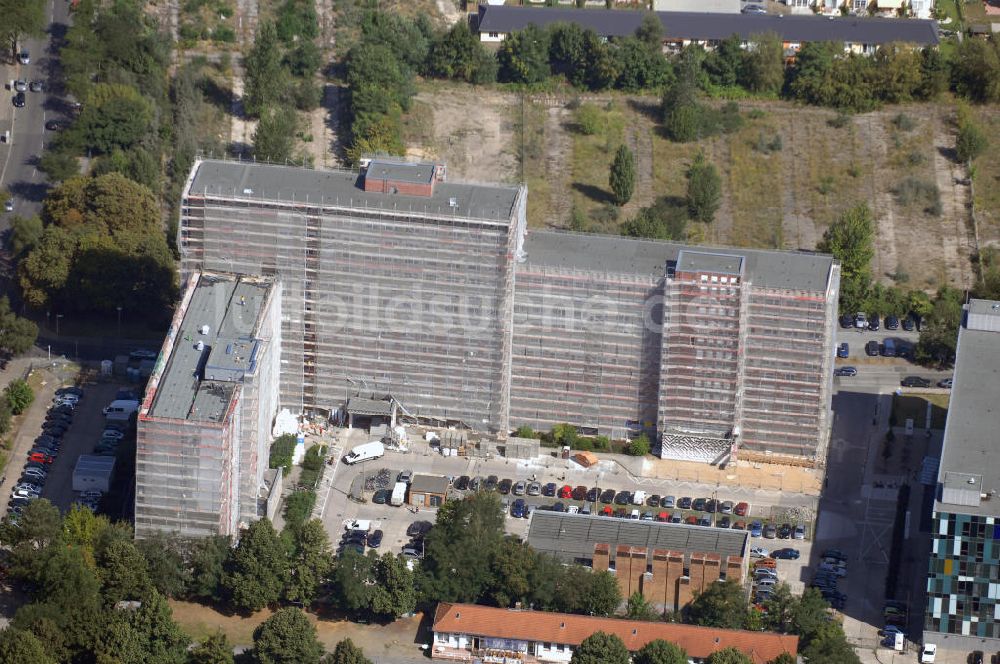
x,y
41,458
663,517
607,511
566,492
691,520
741,509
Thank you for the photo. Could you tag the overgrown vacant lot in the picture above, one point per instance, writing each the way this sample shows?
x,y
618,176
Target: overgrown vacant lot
x,y
787,172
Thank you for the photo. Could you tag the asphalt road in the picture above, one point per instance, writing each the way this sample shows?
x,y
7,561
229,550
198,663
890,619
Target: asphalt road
x,y
19,173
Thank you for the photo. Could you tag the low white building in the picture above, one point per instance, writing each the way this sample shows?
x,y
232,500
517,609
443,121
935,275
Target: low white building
x,y
705,6
93,473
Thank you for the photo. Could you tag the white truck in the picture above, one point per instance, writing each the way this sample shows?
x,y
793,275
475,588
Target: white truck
x,y
366,452
398,494
639,498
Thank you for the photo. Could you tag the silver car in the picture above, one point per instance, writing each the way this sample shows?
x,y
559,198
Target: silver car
x,y
519,488
535,489
20,85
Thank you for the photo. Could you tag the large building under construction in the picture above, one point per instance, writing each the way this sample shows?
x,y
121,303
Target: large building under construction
x,y
204,426
397,281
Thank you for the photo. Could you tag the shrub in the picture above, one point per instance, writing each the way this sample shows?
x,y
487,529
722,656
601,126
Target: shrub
x,y
281,452
19,395
839,121
915,158
224,35
622,175
756,113
589,119
913,191
904,122
298,507
639,446
767,145
825,184
312,464
524,431
971,141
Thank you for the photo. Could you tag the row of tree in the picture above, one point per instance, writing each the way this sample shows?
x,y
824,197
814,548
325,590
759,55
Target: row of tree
x,y
281,68
98,596
604,648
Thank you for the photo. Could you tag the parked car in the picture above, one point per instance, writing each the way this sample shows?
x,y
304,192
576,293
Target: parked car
x,y
608,496
891,323
558,507
915,381
705,520
785,531
41,457
873,323
871,348
684,503
375,539
908,323
579,493
24,57
654,500
405,476
381,497
786,554
566,492
462,483
505,486
518,508
549,490
846,321
739,525
19,100
534,488
37,86
753,9
945,383
756,529
770,532
668,502
726,507
845,371
419,529
928,653
594,494
519,488
699,504
844,350
711,506
799,533
20,85
691,520
623,498
491,483
861,320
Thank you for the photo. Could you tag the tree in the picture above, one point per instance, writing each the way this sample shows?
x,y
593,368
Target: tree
x,y
638,446
600,594
207,558
287,637
524,56
274,137
704,190
622,175
458,54
22,18
265,79
719,605
729,655
723,64
17,334
650,33
257,569
25,232
281,452
971,141
165,565
638,608
19,395
5,415
666,219
162,640
18,646
601,648
783,658
939,332
352,581
810,614
851,240
123,572
394,594
346,653
512,568
898,72
976,69
763,66
216,649
311,562
659,651
116,116
830,646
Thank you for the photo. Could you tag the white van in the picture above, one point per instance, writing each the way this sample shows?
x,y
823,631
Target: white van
x,y
639,498
372,450
398,494
121,407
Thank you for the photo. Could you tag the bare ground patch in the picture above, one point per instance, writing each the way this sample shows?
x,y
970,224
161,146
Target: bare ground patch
x,y
788,172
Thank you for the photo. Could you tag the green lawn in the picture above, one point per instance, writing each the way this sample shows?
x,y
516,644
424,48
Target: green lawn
x,y
915,406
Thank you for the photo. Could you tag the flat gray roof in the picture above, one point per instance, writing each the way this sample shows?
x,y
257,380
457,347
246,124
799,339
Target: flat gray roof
x,y
400,171
199,384
429,484
294,184
794,270
689,260
570,536
366,406
971,449
714,26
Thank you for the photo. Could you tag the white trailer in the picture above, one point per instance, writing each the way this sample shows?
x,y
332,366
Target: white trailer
x,y
366,452
398,494
639,497
93,472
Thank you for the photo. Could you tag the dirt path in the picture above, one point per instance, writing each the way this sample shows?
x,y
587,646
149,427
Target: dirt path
x,y
558,157
242,129
449,11
886,259
958,241
641,144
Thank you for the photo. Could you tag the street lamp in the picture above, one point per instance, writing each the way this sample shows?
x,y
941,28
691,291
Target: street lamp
x,y
58,316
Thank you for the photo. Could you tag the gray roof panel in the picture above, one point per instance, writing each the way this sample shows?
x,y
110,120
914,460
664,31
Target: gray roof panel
x,y
293,184
704,26
970,450
793,270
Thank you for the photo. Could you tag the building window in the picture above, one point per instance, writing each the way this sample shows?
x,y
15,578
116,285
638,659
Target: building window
x,y
494,35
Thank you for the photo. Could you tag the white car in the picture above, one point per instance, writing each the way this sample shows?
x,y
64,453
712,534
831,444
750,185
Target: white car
x,y
66,397
928,653
112,433
30,494
9,205
759,552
